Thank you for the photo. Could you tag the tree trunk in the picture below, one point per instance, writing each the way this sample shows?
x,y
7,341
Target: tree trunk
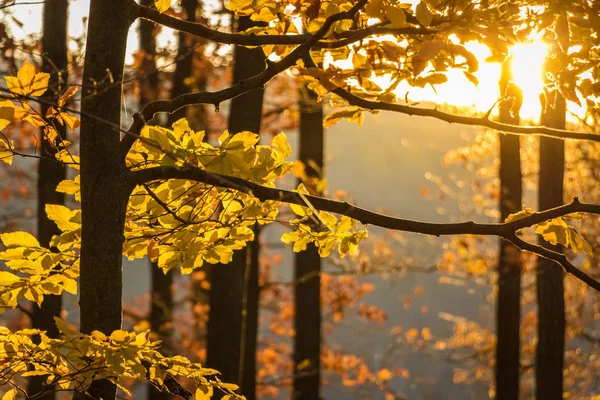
x,y
508,304
307,290
549,358
233,319
185,58
161,297
50,172
104,193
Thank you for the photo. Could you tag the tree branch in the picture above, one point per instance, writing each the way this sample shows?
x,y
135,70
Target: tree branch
x,y
459,119
215,98
556,257
505,230
197,29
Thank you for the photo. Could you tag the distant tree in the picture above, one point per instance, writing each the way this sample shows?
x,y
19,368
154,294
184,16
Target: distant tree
x,y
307,288
508,303
234,294
51,172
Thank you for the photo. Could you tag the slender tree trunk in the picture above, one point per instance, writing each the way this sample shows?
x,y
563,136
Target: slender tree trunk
x,y
233,320
508,305
54,62
104,193
185,58
549,358
183,70
307,291
161,297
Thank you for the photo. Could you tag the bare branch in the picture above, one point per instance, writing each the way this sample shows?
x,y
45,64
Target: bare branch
x,y
197,29
459,119
556,257
243,86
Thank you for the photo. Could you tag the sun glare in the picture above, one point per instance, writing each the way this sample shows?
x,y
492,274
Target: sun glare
x,y
528,59
527,65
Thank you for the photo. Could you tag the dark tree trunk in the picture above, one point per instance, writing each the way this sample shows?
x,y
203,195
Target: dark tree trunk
x,y
307,290
54,62
185,58
508,304
104,193
161,305
233,319
549,358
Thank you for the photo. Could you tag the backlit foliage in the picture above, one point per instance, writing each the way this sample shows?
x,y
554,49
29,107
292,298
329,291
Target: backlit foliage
x,y
178,223
184,223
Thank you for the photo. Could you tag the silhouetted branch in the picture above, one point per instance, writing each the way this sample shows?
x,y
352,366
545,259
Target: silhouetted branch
x,y
200,30
459,119
506,230
243,86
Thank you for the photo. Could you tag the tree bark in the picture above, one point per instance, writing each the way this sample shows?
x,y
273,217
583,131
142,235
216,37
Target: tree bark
x,y
508,304
50,172
549,358
233,318
307,290
104,194
161,297
185,58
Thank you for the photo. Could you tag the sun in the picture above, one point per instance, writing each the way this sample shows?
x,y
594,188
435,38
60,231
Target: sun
x,y
528,59
527,70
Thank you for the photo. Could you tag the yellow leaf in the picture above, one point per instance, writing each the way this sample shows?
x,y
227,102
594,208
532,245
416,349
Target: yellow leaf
x,y
39,84
26,73
65,219
6,154
70,285
240,7
162,5
99,336
119,336
7,279
67,158
50,134
423,14
27,81
22,239
71,121
203,393
69,187
67,95
10,395
396,16
519,215
181,127
373,9
7,113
